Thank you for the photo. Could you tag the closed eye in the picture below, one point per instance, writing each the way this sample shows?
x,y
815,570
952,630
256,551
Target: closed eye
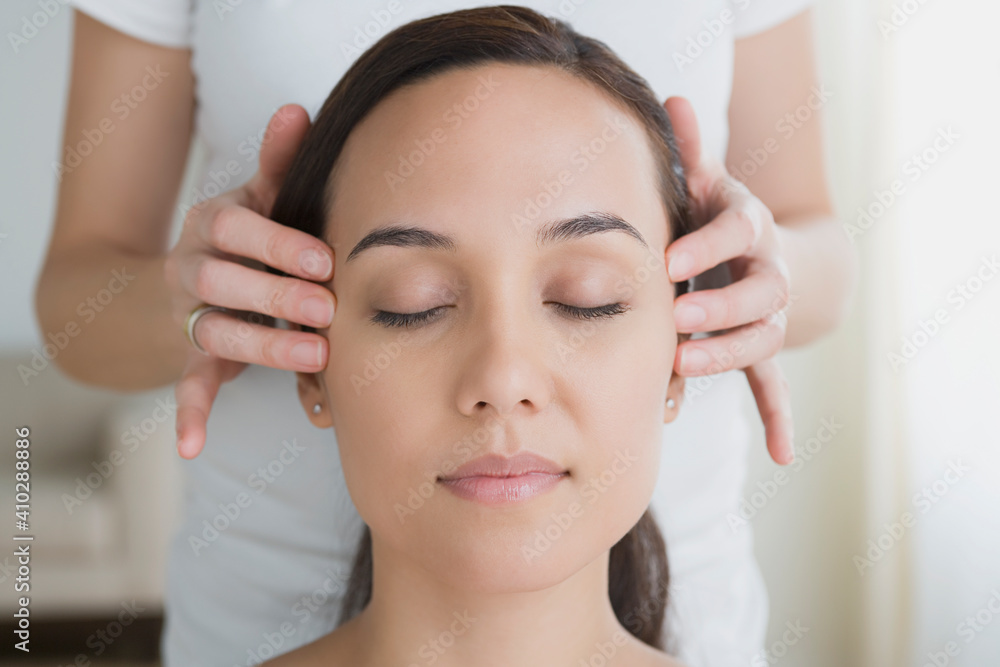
x,y
386,319
405,320
610,310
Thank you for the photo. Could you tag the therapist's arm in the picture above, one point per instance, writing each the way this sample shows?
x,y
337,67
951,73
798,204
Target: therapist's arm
x,y
110,288
774,78
786,250
102,284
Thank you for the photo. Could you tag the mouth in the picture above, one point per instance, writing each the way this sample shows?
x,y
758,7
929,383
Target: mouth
x,y
493,479
496,490
496,465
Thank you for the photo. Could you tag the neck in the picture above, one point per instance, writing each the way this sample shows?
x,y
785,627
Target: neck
x,y
414,618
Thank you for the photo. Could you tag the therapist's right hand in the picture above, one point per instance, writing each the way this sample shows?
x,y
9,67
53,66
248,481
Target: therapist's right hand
x,y
219,260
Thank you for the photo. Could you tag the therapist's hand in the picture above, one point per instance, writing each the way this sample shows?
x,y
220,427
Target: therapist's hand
x,y
219,260
733,226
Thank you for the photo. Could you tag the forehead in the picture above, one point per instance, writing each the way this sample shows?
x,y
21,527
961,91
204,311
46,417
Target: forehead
x,y
499,150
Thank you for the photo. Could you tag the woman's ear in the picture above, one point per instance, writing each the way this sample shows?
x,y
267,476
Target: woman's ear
x,y
313,393
675,394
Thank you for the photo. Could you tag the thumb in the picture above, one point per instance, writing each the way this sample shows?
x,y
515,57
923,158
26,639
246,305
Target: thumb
x,y
285,131
685,126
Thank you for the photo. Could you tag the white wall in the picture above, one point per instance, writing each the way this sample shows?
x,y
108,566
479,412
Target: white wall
x,y
806,534
900,72
32,99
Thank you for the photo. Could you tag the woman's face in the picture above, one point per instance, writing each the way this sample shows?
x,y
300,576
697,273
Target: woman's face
x,y
485,167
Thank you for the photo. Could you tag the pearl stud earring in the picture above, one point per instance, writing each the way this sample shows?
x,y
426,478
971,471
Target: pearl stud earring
x,y
317,409
670,403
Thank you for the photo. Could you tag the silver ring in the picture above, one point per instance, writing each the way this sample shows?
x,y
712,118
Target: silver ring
x,y
193,318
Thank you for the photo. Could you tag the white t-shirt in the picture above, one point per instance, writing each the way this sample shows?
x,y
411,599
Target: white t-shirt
x,y
269,529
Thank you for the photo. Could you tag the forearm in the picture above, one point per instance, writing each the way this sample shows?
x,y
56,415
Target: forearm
x,y
824,272
106,315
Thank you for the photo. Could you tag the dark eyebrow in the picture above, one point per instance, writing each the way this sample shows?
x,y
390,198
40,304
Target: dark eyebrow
x,y
553,232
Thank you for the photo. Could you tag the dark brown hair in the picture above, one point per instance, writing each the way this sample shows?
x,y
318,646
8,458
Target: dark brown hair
x,y
638,572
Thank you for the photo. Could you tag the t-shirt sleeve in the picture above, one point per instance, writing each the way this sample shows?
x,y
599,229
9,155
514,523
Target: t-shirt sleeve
x,y
163,22
753,16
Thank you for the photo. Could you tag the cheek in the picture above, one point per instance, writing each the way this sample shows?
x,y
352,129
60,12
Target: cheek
x,y
621,371
622,490
624,400
618,475
382,419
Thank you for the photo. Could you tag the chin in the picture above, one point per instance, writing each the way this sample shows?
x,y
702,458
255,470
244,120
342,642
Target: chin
x,y
514,554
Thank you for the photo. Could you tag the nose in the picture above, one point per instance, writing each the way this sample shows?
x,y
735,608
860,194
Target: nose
x,y
504,368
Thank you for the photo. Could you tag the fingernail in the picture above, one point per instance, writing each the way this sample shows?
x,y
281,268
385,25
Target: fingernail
x,y
181,446
317,310
786,458
694,360
680,265
689,315
307,354
315,262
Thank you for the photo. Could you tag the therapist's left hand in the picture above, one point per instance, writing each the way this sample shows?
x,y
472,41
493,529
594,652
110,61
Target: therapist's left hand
x,y
734,226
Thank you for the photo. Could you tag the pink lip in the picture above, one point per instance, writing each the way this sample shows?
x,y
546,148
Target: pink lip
x,y
493,479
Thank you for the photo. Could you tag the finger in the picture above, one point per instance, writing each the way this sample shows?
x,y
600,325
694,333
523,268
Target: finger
x,y
231,285
770,390
195,392
227,336
685,126
241,231
739,348
764,290
285,131
732,233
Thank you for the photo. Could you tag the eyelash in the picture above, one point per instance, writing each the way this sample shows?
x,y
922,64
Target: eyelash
x,y
387,319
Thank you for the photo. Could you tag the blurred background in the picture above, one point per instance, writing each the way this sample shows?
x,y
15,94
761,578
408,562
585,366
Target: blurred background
x,y
883,540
